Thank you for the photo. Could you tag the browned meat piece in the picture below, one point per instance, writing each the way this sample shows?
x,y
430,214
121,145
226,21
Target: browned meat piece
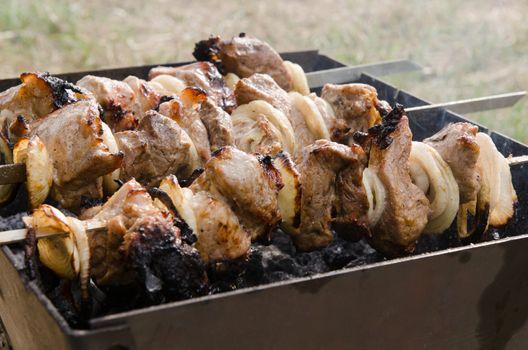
x,y
351,204
189,120
262,87
244,56
322,164
157,148
457,146
37,96
220,235
145,98
203,75
117,99
354,103
72,136
249,184
141,244
218,124
406,206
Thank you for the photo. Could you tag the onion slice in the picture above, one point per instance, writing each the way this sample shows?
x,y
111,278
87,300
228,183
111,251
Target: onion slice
x,y
82,246
376,195
300,83
110,184
290,194
440,186
495,173
312,117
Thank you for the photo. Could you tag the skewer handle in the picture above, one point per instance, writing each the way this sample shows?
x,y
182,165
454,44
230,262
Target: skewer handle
x,y
15,236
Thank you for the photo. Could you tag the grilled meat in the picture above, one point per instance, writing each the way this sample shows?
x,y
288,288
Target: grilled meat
x,y
323,163
249,184
406,206
72,136
457,146
37,96
220,234
189,120
262,87
244,56
218,124
356,104
141,244
202,75
145,97
157,148
117,99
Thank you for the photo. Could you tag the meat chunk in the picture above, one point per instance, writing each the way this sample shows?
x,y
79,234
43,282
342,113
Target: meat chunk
x,y
73,138
324,165
354,103
38,95
218,124
250,185
189,120
244,55
203,75
117,99
262,87
458,147
157,148
141,244
406,206
220,235
145,98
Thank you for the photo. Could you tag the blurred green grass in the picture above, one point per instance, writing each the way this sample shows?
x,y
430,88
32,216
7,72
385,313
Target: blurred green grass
x,y
471,48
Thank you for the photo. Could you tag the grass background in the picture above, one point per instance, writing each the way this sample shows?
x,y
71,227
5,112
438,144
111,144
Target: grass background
x,y
471,48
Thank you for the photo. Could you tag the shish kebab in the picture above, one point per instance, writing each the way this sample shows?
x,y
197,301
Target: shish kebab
x,y
209,206
106,90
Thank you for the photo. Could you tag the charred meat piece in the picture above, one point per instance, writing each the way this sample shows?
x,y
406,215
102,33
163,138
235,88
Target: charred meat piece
x,y
142,245
72,136
354,103
244,55
249,184
188,118
458,147
37,96
262,87
406,206
157,148
117,99
324,165
203,75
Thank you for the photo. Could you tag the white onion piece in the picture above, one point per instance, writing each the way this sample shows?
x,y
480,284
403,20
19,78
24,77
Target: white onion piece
x,y
495,172
109,180
419,176
258,107
182,200
443,193
82,246
290,194
312,117
168,83
376,195
300,83
231,79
